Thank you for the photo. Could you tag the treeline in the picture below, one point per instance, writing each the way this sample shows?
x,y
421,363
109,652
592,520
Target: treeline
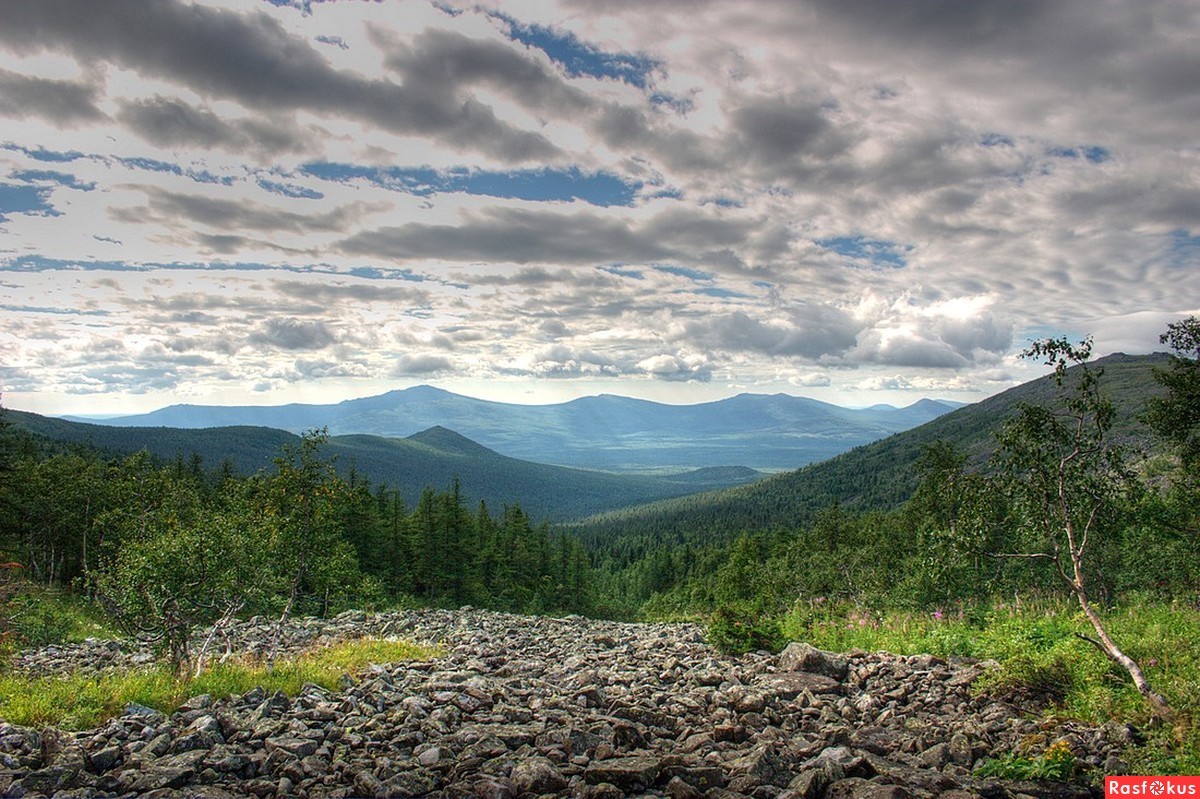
x,y
165,547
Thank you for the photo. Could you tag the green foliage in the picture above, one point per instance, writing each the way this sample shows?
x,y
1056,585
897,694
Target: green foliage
x,y
36,622
736,630
1176,415
1056,763
1041,679
34,615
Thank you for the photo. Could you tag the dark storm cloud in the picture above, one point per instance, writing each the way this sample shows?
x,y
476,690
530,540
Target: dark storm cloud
x,y
445,61
170,122
176,208
513,235
62,102
327,295
415,365
984,333
948,24
294,334
778,129
1086,45
809,332
252,59
519,235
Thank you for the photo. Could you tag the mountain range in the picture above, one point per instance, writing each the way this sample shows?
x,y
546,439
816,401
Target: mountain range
x,y
764,432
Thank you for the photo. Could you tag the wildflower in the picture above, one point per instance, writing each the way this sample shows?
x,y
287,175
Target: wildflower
x,y
937,614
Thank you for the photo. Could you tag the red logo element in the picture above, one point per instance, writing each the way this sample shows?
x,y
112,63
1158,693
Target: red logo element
x,y
1152,786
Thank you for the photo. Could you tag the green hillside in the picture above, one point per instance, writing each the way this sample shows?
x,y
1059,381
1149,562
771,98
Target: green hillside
x,y
876,476
434,457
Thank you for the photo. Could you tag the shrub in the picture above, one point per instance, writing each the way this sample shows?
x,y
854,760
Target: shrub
x,y
736,631
1056,763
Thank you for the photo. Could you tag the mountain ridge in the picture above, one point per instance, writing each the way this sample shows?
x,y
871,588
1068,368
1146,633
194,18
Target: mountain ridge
x,y
610,432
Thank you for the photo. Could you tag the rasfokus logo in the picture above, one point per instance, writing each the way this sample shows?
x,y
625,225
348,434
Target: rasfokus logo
x,y
1152,786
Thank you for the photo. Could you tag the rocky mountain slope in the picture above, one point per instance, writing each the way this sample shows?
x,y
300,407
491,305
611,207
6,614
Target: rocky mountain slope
x,y
529,707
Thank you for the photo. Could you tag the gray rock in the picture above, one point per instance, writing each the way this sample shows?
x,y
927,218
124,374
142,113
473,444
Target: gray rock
x,y
537,775
798,656
628,773
524,706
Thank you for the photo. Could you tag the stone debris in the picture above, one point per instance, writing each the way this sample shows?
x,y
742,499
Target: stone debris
x,y
521,707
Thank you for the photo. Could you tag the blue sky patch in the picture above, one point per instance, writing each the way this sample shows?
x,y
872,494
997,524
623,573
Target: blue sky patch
x,y
545,185
720,293
336,41
42,154
49,176
1184,250
154,165
684,271
860,248
289,190
578,57
624,271
996,140
1091,153
16,198
680,105
151,165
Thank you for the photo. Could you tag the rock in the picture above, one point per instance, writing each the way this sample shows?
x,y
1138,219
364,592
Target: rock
x,y
538,776
764,766
296,747
775,687
106,758
628,773
520,707
798,656
50,780
157,778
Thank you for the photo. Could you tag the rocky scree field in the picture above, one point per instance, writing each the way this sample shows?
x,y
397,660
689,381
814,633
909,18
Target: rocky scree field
x,y
524,706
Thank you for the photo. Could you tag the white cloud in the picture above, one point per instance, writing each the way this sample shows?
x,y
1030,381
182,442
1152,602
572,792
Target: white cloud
x,y
829,196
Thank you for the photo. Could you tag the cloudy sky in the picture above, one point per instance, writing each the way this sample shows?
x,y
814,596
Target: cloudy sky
x,y
267,201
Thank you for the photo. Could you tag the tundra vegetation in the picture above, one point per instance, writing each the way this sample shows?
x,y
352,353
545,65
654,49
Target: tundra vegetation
x,y
1071,560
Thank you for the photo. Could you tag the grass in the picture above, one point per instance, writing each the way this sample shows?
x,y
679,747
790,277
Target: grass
x,y
85,701
1040,655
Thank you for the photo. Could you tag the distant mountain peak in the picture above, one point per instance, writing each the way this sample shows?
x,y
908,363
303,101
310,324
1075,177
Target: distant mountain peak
x,y
446,440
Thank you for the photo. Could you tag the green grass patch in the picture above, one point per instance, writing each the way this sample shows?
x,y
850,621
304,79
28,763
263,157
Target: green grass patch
x,y
1043,660
85,701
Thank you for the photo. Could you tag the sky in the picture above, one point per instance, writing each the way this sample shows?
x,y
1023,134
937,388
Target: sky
x,y
271,201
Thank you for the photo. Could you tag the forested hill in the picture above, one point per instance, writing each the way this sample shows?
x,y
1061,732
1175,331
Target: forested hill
x,y
877,476
431,458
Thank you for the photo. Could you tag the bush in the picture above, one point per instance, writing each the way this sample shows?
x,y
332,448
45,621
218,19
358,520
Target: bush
x,y
736,631
1035,680
1056,763
37,620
